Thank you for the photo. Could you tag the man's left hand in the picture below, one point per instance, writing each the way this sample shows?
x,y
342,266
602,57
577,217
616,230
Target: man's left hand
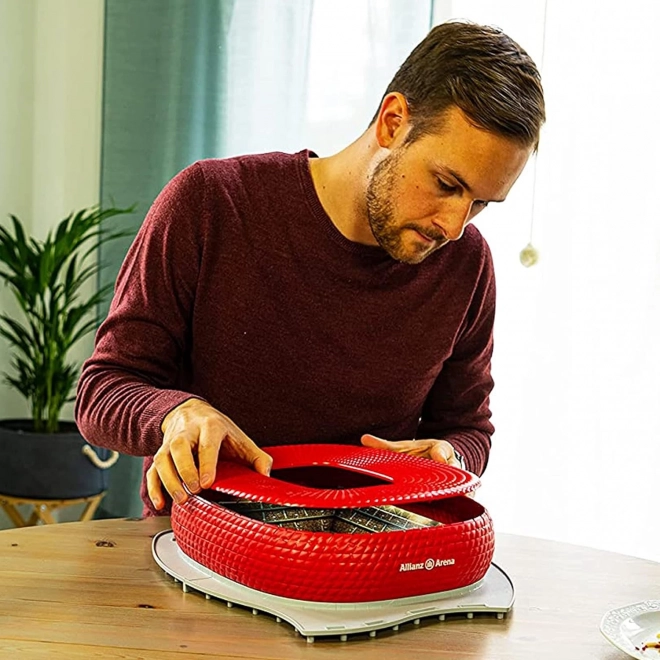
x,y
440,451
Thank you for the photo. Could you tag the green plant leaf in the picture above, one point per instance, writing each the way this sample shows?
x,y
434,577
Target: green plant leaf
x,y
18,335
46,278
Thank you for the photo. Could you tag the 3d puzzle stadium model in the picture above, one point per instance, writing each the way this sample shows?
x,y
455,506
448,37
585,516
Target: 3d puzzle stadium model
x,y
379,539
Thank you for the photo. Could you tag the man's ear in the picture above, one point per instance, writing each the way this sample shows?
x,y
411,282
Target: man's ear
x,y
393,121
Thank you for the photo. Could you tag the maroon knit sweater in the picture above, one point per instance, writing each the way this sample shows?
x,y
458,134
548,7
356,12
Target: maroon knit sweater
x,y
240,290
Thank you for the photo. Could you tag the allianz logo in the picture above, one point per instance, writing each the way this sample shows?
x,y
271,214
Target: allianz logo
x,y
428,565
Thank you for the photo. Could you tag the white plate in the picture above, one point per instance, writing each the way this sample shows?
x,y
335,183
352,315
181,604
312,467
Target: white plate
x,y
629,627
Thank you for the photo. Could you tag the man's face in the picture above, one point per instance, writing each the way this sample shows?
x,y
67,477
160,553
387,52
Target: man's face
x,y
424,193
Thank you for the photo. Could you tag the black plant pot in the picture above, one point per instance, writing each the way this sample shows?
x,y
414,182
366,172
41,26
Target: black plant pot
x,y
47,465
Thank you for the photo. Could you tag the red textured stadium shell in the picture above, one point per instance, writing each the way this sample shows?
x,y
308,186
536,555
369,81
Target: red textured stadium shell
x,y
337,567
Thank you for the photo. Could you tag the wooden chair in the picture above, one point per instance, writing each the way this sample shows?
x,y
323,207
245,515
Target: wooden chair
x,y
43,509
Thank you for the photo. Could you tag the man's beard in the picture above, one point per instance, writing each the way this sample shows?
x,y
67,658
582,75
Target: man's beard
x,y
380,213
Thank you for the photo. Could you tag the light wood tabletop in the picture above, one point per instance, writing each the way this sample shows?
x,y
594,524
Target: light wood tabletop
x,y
93,590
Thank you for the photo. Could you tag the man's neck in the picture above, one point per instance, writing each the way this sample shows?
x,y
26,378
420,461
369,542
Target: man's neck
x,y
341,183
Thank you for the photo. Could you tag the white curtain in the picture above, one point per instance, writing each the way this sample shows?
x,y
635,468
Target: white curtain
x,y
310,73
575,454
577,363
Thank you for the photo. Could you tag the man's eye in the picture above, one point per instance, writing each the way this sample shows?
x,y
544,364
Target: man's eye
x,y
445,187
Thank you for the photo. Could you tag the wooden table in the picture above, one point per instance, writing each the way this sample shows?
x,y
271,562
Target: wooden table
x,y
92,590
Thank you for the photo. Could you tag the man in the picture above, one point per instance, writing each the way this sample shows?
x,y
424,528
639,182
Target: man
x,y
277,299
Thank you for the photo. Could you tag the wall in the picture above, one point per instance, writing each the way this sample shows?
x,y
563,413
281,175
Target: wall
x,y
17,58
51,56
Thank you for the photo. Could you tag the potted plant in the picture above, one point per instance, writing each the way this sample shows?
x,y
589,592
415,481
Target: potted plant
x,y
45,457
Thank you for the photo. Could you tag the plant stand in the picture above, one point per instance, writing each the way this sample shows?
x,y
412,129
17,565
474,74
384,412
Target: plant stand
x,y
44,509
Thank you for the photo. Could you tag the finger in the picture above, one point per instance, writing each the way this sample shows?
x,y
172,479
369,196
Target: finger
x,y
169,476
154,489
211,436
418,448
181,450
246,450
374,442
263,463
442,452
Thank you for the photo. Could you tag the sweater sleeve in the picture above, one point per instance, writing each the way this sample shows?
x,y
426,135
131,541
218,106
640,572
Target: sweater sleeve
x,y
132,379
457,407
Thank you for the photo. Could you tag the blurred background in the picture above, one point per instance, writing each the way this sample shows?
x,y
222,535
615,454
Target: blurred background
x,y
108,100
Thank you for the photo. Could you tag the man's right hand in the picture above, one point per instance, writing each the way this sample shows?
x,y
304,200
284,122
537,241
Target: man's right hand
x,y
196,428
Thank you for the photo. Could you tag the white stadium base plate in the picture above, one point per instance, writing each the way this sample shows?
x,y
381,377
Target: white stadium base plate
x,y
493,594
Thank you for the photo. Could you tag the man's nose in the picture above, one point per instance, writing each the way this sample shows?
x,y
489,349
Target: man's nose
x,y
454,218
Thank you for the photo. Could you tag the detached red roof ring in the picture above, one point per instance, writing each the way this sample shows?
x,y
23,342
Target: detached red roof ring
x,y
339,567
403,478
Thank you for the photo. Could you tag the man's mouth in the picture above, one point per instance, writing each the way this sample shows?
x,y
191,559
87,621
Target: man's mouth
x,y
424,237
438,240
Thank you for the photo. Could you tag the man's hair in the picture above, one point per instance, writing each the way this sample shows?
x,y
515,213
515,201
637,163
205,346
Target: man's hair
x,y
479,69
